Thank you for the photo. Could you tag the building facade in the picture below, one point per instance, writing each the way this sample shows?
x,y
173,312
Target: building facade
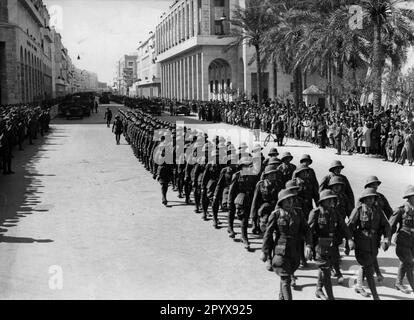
x,y
25,52
126,73
148,70
62,71
192,47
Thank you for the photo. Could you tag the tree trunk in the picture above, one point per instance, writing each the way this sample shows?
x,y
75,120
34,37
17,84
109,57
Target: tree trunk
x,y
259,76
377,68
275,80
297,95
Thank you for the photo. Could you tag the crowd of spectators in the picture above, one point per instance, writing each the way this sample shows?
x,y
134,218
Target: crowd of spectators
x,y
353,129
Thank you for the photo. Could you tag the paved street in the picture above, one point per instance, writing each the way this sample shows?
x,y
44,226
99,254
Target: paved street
x,y
83,205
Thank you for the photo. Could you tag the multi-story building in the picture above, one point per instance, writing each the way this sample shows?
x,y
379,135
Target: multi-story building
x,y
61,67
126,73
25,51
84,80
148,70
192,46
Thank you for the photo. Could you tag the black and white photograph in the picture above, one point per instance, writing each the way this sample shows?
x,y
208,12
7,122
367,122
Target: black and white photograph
x,y
223,152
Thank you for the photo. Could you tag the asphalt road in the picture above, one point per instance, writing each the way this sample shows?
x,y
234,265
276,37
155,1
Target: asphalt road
x,y
82,219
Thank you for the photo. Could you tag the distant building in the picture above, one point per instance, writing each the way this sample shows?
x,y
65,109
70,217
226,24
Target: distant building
x,y
25,52
85,81
148,83
126,73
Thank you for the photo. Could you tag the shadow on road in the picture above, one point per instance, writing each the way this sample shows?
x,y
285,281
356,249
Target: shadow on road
x,y
20,193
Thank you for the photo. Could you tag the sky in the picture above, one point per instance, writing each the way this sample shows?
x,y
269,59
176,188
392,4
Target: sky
x,y
102,31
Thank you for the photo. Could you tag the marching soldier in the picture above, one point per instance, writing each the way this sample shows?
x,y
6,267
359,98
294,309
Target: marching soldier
x,y
164,171
335,170
290,227
273,153
307,193
265,197
221,193
367,223
240,198
210,178
382,202
286,168
327,227
306,160
196,179
402,224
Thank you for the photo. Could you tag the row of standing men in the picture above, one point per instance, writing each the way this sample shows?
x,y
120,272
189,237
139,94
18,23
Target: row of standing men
x,y
298,218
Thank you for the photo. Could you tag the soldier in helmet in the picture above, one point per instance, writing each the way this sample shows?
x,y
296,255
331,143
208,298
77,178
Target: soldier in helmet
x,y
307,193
335,170
286,168
327,227
210,178
344,208
196,179
367,223
191,148
306,161
221,193
164,171
382,202
273,153
290,227
240,198
402,224
265,197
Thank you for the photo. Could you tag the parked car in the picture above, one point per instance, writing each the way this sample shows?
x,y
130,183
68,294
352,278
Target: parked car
x,y
182,109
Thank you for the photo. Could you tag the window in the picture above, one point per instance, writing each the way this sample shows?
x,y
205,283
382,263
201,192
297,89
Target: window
x,y
130,64
218,27
219,3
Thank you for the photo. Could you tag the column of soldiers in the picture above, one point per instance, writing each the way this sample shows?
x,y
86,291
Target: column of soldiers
x,y
299,219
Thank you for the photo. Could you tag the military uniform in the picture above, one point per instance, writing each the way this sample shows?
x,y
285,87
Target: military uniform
x,y
347,186
221,193
328,228
286,168
289,227
367,224
210,178
240,198
403,218
265,198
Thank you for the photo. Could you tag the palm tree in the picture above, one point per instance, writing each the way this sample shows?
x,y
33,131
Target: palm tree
x,y
250,24
389,22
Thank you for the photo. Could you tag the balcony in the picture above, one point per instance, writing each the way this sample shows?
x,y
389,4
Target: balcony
x,y
47,34
32,8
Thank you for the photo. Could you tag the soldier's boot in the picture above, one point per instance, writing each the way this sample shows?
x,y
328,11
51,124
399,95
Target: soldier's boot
x,y
303,261
338,273
256,229
197,202
358,288
293,281
269,266
246,244
319,286
204,205
230,229
347,250
410,277
328,285
400,278
281,292
371,284
380,277
286,289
